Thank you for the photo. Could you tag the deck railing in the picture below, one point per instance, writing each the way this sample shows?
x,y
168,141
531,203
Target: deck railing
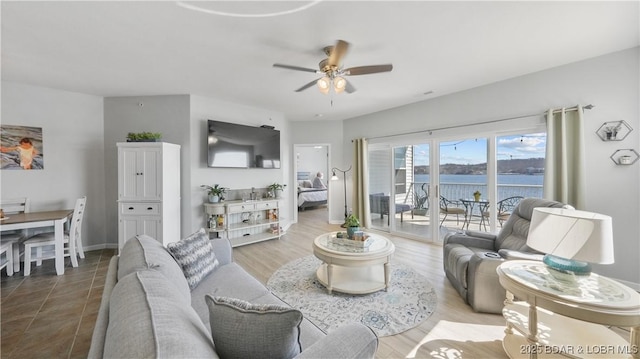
x,y
455,191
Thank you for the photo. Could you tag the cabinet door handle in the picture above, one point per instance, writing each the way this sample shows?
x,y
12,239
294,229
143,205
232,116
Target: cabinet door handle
x,y
149,208
131,208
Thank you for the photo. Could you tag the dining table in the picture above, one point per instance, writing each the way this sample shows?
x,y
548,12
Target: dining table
x,y
41,219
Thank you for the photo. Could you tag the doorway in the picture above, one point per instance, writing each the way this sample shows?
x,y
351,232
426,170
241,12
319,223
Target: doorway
x,y
311,160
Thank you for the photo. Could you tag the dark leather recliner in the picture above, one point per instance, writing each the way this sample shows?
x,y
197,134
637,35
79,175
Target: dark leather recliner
x,y
470,259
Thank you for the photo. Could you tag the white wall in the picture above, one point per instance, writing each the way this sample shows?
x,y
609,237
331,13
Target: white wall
x,y
312,159
204,108
609,82
73,149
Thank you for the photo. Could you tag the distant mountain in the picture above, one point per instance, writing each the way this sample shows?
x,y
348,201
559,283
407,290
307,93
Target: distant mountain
x,y
515,166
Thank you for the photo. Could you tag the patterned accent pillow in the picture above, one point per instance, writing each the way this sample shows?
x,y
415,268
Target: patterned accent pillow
x,y
267,330
195,256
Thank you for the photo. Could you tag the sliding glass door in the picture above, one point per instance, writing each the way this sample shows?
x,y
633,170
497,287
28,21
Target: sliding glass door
x,y
380,169
399,190
427,189
463,186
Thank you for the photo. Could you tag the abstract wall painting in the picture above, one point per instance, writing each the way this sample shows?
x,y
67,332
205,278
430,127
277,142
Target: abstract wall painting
x,y
21,148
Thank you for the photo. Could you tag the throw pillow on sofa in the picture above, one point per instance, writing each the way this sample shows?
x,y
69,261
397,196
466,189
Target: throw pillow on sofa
x,y
267,330
195,256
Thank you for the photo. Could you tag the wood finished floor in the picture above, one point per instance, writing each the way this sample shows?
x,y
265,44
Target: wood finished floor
x,y
454,330
49,316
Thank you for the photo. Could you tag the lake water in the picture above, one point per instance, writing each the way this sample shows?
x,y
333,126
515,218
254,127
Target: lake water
x,y
502,179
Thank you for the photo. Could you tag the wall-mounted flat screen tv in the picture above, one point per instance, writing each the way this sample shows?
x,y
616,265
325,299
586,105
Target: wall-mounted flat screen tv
x,y
233,145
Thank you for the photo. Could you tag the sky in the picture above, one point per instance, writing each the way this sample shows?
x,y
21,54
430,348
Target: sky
x,y
473,151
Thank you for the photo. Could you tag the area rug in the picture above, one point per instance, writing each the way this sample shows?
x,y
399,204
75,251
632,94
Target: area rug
x,y
408,302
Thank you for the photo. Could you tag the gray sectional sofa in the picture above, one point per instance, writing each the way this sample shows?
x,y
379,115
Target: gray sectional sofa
x,y
148,310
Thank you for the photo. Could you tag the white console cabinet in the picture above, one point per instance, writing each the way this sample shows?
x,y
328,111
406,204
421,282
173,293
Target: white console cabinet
x,y
244,222
148,191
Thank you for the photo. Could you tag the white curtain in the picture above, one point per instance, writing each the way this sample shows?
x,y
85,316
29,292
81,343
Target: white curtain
x,y
361,183
564,172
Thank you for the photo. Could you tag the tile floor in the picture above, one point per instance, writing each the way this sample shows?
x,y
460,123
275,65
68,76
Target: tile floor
x,y
50,316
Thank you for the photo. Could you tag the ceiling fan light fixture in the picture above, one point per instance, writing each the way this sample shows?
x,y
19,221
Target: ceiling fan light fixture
x,y
324,84
339,84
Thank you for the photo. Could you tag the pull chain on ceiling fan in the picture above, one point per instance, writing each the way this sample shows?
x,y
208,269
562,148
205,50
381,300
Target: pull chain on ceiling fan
x,y
333,74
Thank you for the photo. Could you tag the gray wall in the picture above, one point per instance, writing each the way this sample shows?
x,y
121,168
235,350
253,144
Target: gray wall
x,y
72,130
168,115
609,82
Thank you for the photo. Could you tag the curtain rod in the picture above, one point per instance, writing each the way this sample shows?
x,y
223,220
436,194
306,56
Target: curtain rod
x,y
575,108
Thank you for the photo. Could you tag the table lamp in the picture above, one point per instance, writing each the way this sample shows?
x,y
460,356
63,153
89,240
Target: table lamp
x,y
571,238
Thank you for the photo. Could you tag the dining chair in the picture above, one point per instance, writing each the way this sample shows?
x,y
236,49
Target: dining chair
x,y
44,243
448,207
6,248
10,207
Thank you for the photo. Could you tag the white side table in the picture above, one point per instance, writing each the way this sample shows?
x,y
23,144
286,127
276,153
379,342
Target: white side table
x,y
561,318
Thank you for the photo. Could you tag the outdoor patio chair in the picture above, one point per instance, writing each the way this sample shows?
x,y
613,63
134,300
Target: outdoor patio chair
x,y
505,207
379,203
448,207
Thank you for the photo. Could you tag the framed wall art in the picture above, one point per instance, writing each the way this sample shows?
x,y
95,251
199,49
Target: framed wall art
x,y
21,148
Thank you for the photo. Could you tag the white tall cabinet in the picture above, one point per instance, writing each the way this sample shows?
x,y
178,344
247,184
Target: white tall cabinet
x,y
148,191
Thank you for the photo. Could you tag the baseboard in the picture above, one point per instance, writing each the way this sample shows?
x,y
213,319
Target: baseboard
x,y
97,247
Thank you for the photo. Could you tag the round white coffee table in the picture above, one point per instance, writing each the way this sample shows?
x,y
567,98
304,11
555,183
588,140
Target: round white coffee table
x,y
350,269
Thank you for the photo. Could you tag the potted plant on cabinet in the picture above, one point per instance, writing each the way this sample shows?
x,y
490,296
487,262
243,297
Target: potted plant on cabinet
x,y
144,137
215,193
353,225
276,189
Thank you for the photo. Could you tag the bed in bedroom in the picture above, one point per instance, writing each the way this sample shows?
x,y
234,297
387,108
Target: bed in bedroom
x,y
307,195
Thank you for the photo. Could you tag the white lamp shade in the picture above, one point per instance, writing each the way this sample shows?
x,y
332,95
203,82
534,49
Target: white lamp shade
x,y
572,234
324,85
339,84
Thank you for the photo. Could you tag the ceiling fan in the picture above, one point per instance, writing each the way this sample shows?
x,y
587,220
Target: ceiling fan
x,y
333,75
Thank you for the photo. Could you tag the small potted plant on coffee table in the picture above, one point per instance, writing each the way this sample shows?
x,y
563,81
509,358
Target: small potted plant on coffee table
x,y
353,225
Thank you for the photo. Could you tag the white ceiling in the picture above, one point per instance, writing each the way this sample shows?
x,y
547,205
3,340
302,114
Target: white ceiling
x,y
158,48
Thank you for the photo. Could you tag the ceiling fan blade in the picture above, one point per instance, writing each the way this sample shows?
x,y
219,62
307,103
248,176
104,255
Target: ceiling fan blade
x,y
349,87
307,85
338,52
297,68
365,70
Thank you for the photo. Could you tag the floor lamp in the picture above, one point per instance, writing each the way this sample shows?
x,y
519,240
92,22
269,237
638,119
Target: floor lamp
x,y
334,177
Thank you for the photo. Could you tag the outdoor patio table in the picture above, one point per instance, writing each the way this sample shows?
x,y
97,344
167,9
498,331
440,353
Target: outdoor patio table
x,y
470,205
